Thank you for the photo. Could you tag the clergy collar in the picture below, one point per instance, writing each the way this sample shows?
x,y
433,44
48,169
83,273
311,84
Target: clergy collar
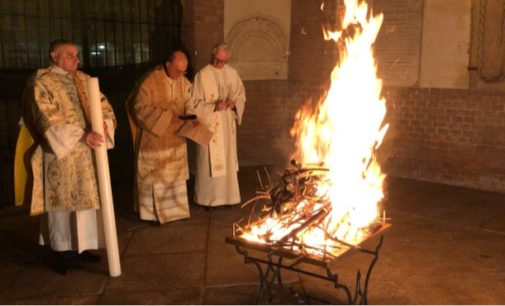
x,y
58,70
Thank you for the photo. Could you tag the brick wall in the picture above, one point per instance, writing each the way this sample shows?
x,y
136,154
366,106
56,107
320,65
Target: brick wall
x,y
207,23
398,45
264,136
449,136
264,124
442,135
311,58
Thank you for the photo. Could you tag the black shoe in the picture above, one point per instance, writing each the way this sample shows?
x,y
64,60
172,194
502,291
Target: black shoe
x,y
61,261
61,267
87,256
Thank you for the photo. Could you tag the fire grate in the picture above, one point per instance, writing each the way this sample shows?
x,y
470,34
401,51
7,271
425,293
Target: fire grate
x,y
276,259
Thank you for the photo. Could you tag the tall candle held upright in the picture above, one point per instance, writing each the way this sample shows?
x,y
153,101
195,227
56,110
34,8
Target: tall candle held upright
x,y
102,164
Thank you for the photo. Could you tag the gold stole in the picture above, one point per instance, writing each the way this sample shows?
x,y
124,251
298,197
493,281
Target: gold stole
x,y
83,98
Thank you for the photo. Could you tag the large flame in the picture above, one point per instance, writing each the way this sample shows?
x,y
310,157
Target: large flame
x,y
342,133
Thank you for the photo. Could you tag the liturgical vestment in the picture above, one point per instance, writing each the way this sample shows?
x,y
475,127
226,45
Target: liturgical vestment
x,y
216,181
161,154
65,183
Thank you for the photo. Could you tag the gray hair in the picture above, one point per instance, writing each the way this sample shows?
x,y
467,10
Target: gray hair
x,y
220,46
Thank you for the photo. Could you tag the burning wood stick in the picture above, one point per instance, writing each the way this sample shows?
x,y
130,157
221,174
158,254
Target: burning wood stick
x,y
295,205
318,216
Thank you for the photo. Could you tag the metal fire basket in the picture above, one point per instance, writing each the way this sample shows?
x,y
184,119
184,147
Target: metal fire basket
x,y
271,260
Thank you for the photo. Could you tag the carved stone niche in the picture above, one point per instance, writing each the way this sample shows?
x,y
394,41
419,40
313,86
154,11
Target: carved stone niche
x,y
259,49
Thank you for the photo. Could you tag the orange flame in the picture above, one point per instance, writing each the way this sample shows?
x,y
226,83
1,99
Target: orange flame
x,y
343,133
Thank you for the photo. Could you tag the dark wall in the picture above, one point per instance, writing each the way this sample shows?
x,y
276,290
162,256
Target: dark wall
x,y
10,113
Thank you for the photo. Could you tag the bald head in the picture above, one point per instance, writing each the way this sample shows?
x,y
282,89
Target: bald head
x,y
176,64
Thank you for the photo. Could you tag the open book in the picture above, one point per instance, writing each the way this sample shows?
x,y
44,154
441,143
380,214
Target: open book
x,y
199,133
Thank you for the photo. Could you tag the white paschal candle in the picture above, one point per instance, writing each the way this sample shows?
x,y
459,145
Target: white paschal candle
x,y
102,165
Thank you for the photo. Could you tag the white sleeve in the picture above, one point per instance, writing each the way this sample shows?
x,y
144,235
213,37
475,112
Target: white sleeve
x,y
63,137
239,97
109,138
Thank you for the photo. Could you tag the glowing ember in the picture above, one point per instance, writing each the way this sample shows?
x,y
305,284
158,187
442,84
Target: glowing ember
x,y
335,192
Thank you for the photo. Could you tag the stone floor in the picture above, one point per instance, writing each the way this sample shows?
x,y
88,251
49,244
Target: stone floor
x,y
446,246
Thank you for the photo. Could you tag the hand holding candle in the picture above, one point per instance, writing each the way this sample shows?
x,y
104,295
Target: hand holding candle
x,y
92,139
220,105
231,103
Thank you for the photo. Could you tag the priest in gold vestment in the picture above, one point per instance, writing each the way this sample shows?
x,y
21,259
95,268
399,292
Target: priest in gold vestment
x,y
155,106
65,186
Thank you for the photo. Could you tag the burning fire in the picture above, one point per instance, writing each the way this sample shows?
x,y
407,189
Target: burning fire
x,y
337,140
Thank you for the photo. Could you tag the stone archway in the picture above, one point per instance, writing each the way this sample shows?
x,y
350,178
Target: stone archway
x,y
259,48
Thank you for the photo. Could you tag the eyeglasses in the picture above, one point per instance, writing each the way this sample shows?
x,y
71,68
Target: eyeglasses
x,y
219,61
